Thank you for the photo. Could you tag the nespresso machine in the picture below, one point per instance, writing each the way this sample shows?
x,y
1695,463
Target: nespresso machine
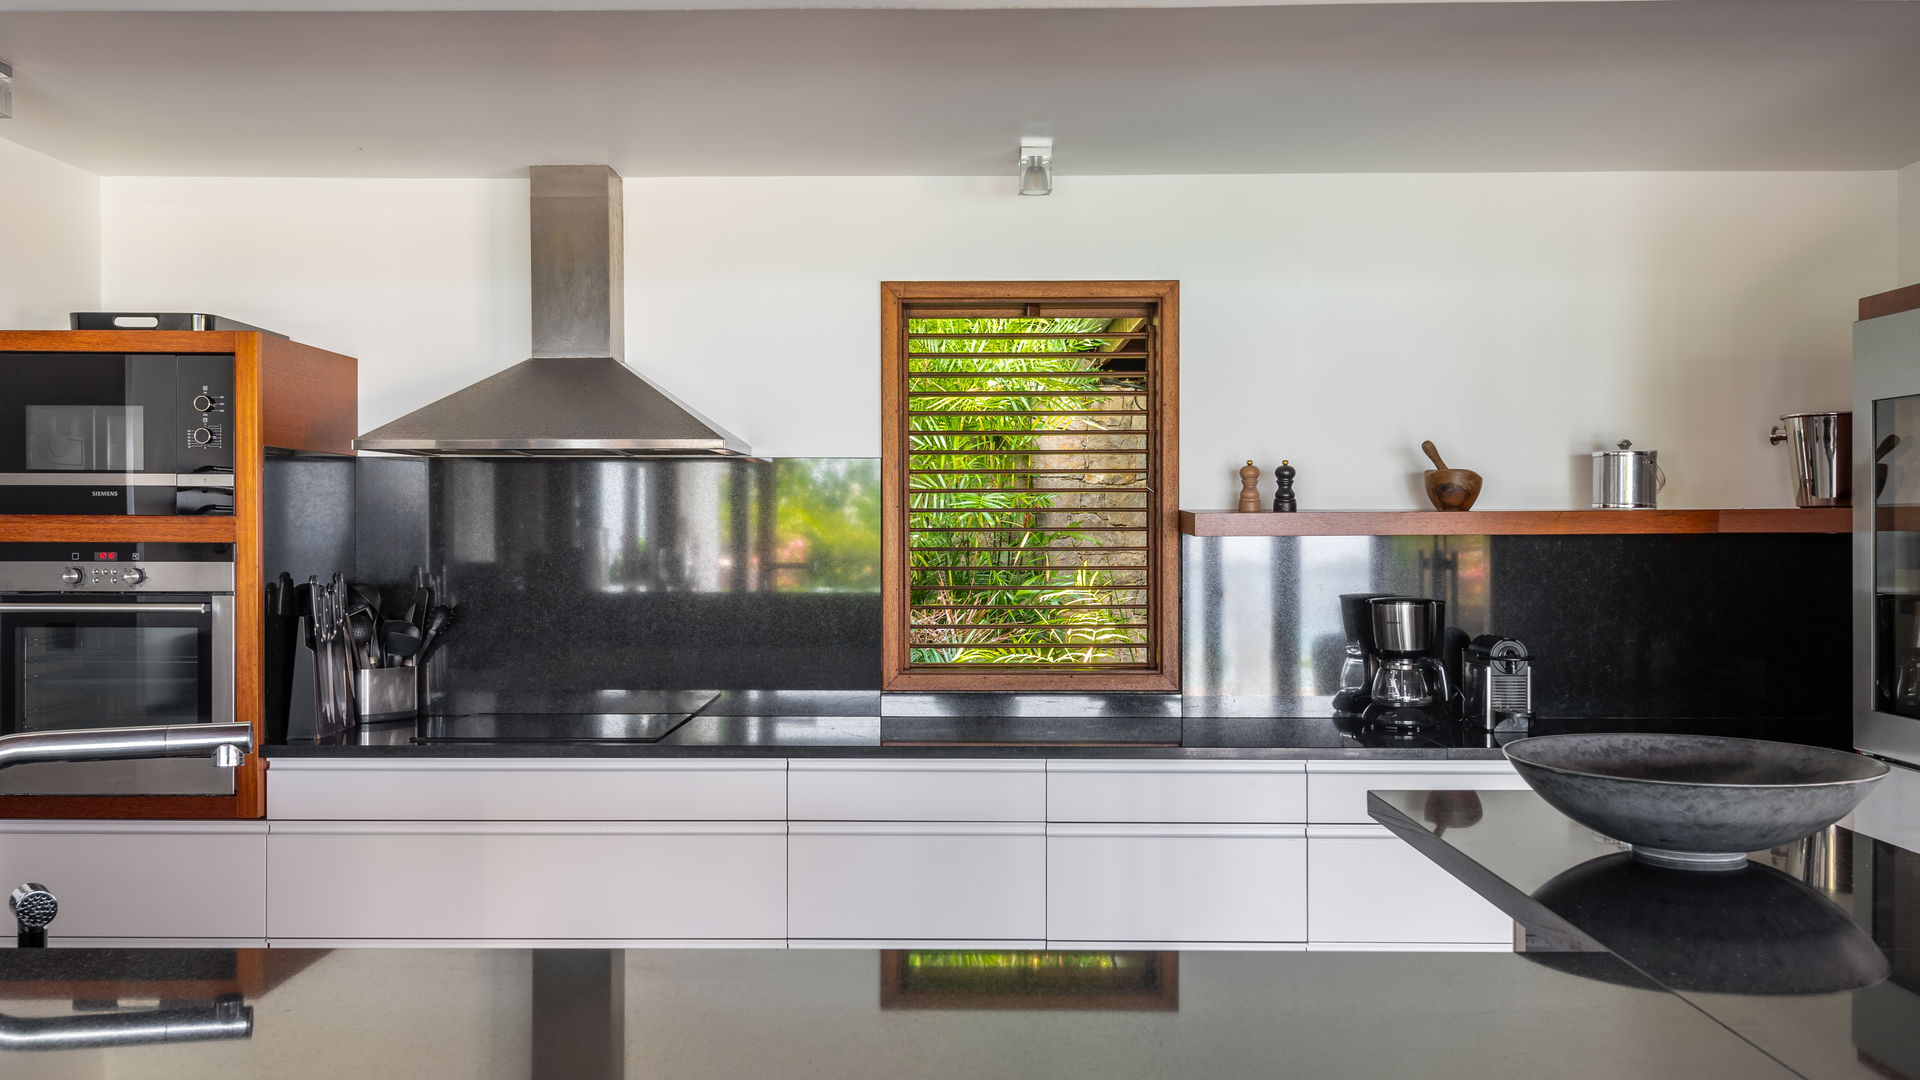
x,y
1410,687
1499,684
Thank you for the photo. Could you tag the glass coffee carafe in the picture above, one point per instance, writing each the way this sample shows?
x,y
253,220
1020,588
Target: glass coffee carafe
x,y
1410,687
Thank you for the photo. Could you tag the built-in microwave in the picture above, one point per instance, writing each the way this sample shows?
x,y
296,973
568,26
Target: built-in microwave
x,y
116,433
116,635
1886,549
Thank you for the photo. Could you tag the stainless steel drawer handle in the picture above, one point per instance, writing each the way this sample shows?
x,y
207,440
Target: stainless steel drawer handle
x,y
107,609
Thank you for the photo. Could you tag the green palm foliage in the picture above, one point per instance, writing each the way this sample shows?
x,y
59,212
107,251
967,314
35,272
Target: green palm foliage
x,y
1065,627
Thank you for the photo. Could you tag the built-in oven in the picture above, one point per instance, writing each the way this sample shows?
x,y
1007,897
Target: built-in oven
x,y
113,433
1886,552
110,636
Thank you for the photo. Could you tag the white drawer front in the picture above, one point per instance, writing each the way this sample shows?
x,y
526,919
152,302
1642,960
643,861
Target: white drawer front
x,y
1176,883
1337,790
919,881
528,790
1367,885
575,880
1254,792
144,880
930,790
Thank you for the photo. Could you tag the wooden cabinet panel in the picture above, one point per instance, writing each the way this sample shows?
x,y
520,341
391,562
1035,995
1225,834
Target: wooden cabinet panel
x,y
410,880
920,881
453,789
130,879
1253,792
1176,883
916,790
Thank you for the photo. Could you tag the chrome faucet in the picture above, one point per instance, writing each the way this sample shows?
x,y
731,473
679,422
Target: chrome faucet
x,y
227,744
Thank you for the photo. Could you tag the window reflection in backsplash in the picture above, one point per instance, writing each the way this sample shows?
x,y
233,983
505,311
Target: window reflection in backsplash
x,y
640,574
1624,626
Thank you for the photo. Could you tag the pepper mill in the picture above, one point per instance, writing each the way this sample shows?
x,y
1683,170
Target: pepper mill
x,y
1249,488
1283,496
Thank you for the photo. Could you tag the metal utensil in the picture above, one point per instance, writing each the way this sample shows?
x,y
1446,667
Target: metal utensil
x,y
400,639
367,650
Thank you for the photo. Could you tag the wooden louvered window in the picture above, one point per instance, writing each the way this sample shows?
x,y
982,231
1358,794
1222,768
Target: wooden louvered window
x,y
1030,471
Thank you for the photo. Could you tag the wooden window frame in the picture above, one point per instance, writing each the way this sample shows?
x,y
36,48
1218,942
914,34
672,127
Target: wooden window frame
x,y
1163,672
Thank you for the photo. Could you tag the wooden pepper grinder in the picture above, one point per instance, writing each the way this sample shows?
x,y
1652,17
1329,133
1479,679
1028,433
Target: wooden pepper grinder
x,y
1249,488
1283,495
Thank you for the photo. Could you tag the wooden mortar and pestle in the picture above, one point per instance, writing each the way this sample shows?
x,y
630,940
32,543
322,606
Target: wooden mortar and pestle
x,y
1449,489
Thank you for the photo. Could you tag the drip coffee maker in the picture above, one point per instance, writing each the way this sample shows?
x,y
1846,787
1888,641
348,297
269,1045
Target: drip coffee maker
x,y
1358,662
1410,688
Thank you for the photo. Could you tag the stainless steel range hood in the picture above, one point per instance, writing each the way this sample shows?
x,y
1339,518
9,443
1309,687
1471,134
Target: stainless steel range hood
x,y
573,398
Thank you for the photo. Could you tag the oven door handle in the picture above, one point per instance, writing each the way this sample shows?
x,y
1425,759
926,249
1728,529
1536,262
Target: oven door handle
x,y
109,609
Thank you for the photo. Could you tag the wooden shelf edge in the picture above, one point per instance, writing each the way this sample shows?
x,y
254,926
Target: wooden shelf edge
x,y
111,528
1516,522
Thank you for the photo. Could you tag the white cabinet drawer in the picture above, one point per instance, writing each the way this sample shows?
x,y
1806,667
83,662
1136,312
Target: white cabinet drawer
x,y
1337,790
917,881
539,789
929,790
1176,883
1364,884
125,879
1254,792
557,880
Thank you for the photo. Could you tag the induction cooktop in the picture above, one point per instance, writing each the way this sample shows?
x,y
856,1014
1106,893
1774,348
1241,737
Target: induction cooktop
x,y
640,716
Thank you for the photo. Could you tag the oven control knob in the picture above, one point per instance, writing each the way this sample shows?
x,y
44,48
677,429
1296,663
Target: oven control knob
x,y
201,436
133,575
71,575
203,404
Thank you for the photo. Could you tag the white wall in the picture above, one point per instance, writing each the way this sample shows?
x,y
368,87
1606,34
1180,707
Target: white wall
x,y
1910,224
49,239
1519,320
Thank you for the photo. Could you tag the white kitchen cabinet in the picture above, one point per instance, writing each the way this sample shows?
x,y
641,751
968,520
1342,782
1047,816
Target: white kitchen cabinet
x,y
144,880
1252,792
1337,790
1366,885
919,881
916,789
528,789
348,880
1176,883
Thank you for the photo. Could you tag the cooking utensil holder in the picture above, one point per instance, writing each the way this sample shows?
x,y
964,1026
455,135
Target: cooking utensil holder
x,y
385,693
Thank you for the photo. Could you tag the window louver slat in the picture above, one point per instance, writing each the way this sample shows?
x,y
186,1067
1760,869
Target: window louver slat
x,y
1029,485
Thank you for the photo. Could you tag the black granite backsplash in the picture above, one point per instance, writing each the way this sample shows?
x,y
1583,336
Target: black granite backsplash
x,y
1623,626
632,574
764,575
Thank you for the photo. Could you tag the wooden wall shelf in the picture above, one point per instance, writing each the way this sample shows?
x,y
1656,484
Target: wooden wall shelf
x,y
1514,522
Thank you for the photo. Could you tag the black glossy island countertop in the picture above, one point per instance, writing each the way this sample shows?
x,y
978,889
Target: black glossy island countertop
x,y
850,724
1811,951
720,1014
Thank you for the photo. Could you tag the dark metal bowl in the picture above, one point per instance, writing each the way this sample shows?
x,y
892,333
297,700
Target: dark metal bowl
x,y
1694,801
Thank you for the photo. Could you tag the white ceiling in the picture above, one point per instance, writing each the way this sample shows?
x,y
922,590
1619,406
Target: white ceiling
x,y
1797,84
658,5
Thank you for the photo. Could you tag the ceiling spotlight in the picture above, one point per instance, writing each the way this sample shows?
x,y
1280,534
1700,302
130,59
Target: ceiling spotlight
x,y
6,90
1036,166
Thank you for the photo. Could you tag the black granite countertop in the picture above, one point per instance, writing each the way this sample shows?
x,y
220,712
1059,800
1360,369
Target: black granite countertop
x,y
801,1014
838,724
1811,952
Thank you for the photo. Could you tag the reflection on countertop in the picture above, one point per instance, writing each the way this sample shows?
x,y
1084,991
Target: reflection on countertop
x,y
1810,951
806,723
802,1014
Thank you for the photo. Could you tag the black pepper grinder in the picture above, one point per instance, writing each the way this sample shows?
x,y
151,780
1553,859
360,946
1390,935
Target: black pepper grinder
x,y
1283,502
